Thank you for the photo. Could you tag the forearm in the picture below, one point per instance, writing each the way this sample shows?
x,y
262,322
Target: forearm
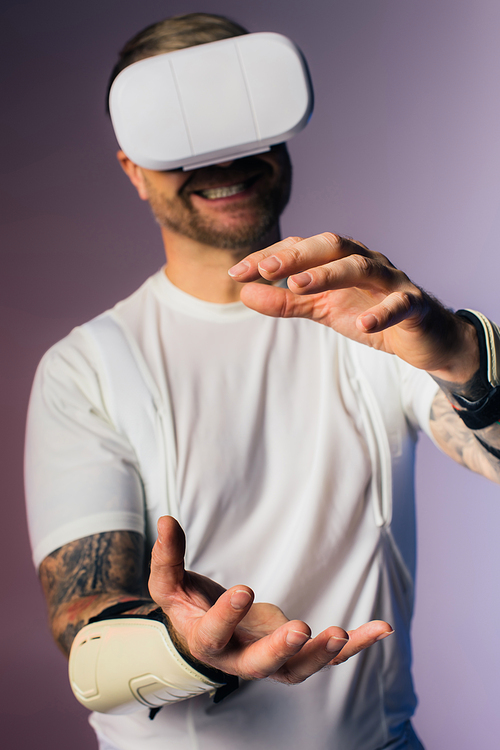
x,y
478,450
96,592
88,575
68,619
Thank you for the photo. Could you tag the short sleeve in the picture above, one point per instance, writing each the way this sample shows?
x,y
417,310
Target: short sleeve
x,y
81,474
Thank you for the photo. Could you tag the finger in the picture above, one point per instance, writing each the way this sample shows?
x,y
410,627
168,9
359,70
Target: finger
x,y
167,560
276,302
215,629
306,254
363,637
289,259
295,254
265,656
314,656
247,269
374,273
395,308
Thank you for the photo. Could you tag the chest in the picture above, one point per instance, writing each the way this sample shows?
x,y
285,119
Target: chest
x,y
262,428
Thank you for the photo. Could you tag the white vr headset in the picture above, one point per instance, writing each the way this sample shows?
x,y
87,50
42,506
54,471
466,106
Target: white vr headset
x,y
211,103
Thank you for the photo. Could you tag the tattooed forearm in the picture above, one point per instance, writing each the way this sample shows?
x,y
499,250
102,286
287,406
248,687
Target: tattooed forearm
x,y
475,449
86,576
94,565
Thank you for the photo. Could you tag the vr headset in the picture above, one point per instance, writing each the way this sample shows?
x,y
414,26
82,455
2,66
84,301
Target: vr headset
x,y
211,103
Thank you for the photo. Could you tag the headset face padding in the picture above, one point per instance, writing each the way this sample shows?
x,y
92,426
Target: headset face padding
x,y
210,103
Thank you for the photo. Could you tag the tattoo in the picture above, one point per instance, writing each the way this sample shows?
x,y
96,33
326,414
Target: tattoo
x,y
85,576
494,451
478,450
473,390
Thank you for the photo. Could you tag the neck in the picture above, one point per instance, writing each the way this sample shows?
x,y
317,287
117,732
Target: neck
x,y
201,270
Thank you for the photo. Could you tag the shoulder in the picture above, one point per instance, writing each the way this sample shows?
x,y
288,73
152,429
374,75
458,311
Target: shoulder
x,y
72,364
76,358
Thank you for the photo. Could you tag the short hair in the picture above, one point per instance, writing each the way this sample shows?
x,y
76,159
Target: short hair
x,y
171,34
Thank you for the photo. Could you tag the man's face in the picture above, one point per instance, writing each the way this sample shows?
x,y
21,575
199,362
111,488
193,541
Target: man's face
x,y
229,207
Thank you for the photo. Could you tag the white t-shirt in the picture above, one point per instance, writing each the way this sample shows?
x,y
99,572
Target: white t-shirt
x,y
287,456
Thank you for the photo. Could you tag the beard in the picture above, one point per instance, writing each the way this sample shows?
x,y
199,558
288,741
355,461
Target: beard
x,y
245,226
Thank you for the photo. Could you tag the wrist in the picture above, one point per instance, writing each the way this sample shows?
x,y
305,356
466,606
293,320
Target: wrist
x,y
136,607
477,401
461,358
228,682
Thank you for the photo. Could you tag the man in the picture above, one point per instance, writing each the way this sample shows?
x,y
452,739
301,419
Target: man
x,y
285,449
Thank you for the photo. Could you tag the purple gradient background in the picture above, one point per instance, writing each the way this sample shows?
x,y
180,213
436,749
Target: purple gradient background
x,y
402,152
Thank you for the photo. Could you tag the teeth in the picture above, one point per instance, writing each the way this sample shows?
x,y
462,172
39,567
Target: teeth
x,y
222,192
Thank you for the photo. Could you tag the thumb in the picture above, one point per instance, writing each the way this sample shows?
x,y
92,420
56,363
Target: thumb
x,y
167,560
276,302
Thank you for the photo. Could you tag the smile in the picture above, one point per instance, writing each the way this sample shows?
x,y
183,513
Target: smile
x,y
225,191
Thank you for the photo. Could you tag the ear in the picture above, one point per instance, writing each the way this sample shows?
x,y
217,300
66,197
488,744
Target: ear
x,y
134,173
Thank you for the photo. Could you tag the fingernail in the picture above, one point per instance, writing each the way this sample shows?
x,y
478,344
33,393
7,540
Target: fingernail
x,y
384,635
301,279
369,321
335,644
271,264
296,638
240,599
239,269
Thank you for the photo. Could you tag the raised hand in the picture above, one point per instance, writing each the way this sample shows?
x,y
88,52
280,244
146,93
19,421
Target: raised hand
x,y
225,629
359,293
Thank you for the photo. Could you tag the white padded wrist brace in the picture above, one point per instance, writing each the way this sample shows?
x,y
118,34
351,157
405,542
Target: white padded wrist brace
x,y
124,664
